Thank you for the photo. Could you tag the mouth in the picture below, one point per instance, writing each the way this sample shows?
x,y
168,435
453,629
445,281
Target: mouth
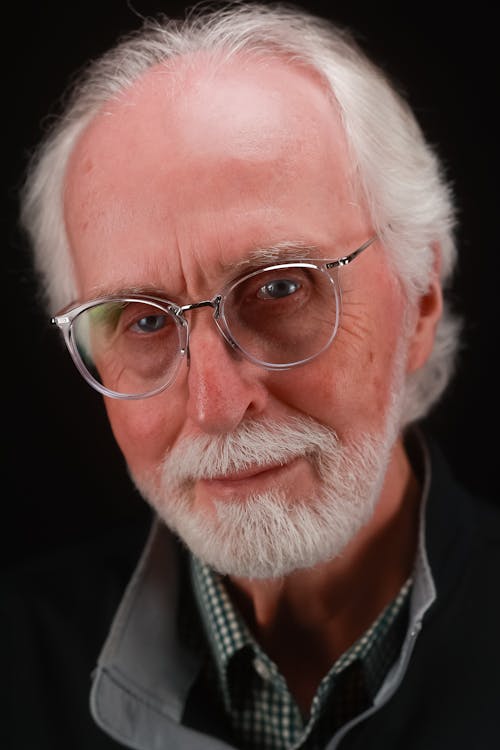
x,y
250,472
249,478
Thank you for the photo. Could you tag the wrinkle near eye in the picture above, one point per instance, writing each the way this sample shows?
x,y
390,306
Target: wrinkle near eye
x,y
353,324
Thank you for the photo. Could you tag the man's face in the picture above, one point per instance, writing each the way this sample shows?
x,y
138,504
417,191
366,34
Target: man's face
x,y
172,187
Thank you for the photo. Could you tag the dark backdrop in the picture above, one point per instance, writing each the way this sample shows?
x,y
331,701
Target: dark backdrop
x,y
64,478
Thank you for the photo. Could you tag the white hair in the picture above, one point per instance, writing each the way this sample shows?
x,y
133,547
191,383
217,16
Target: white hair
x,y
399,174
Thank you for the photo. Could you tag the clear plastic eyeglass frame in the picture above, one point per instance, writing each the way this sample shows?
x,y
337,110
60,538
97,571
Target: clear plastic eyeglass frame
x,y
66,318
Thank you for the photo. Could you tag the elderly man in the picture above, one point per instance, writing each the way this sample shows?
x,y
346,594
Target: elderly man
x,y
246,239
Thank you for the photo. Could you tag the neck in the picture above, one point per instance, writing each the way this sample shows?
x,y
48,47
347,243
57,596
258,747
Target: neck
x,y
331,605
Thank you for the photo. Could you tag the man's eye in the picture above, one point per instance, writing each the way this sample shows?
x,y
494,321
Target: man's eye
x,y
277,289
149,324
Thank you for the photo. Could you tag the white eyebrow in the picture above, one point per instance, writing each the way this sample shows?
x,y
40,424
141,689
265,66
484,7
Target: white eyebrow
x,y
148,290
281,252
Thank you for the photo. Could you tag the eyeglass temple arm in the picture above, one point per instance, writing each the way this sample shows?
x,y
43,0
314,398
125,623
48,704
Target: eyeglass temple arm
x,y
346,259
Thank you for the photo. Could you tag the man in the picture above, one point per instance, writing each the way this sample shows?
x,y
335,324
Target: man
x,y
246,240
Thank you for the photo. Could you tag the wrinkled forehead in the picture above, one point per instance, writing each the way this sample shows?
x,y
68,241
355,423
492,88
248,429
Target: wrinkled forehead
x,y
245,108
227,158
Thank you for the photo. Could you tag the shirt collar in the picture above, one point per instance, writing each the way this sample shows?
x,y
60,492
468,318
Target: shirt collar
x,y
228,634
424,589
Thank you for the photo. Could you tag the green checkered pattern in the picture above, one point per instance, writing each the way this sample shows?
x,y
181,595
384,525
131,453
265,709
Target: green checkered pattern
x,y
263,712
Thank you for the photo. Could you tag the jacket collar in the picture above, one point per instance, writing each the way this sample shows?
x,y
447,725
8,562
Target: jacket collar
x,y
145,672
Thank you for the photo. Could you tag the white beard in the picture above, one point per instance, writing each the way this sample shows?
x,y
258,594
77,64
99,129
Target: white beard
x,y
269,534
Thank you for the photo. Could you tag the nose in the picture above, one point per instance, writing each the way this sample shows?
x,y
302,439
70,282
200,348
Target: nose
x,y
223,387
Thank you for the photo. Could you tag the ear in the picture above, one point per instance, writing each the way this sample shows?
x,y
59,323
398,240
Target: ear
x,y
428,313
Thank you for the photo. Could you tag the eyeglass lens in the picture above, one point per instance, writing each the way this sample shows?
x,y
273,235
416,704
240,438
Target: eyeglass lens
x,y
275,317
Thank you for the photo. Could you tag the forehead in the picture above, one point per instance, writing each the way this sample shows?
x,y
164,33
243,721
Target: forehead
x,y
206,163
243,108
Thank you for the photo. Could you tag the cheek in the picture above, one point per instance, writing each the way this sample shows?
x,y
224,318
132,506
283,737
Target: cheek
x,y
349,387
144,430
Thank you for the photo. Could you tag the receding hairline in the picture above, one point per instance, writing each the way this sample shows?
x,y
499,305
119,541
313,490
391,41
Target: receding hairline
x,y
191,67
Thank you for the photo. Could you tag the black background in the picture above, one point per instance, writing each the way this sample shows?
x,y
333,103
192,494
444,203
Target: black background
x,y
64,479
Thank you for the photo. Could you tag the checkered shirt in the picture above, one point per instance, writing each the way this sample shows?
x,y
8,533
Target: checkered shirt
x,y
255,696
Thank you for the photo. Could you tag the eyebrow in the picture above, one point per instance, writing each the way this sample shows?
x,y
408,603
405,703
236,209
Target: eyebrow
x,y
148,290
282,252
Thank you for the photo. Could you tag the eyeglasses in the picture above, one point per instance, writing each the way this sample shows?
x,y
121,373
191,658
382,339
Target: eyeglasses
x,y
277,317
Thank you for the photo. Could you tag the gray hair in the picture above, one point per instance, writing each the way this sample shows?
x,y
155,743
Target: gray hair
x,y
399,174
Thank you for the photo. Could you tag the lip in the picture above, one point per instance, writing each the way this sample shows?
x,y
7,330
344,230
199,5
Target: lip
x,y
254,474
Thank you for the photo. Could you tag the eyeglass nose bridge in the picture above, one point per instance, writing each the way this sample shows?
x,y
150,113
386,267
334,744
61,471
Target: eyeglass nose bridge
x,y
215,305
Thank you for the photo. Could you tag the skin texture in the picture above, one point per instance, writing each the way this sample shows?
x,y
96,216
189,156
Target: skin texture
x,y
170,192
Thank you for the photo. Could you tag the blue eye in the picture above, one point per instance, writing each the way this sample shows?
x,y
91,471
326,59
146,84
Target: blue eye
x,y
277,289
150,324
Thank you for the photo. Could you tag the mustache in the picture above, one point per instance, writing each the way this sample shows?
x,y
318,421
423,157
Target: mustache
x,y
255,443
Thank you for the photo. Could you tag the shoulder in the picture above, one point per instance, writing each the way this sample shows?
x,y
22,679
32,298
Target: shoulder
x,y
78,584
55,612
454,504
74,587
462,541
462,530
